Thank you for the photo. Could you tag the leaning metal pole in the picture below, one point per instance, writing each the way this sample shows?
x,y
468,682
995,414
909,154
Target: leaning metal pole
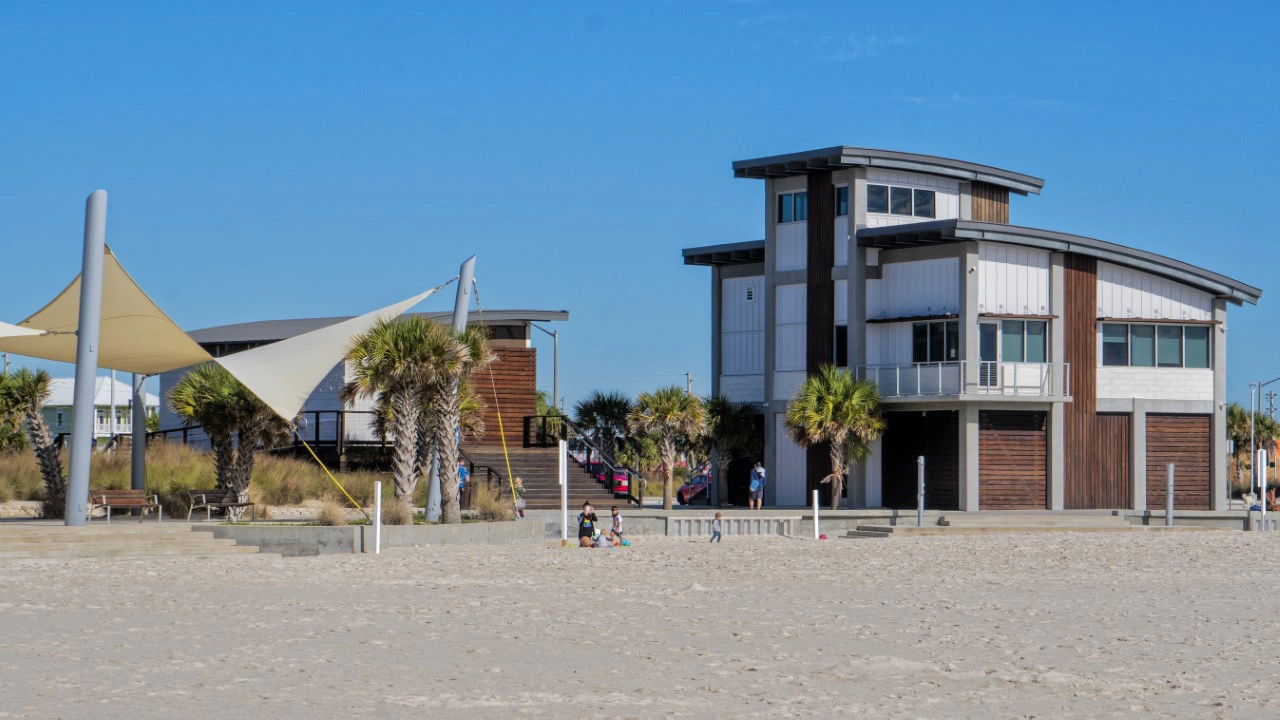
x,y
138,469
461,304
95,233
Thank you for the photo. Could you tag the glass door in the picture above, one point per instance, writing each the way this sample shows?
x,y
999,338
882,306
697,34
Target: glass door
x,y
988,353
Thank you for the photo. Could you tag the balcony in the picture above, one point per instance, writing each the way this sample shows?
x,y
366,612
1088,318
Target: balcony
x,y
970,380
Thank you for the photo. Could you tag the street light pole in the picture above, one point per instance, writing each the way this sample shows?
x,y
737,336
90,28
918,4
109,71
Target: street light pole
x,y
1253,444
555,361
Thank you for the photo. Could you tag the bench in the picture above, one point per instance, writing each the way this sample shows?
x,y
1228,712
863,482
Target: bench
x,y
221,498
125,499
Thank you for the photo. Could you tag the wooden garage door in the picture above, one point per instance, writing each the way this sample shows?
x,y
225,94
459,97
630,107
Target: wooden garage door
x,y
1012,461
1184,441
908,435
1097,462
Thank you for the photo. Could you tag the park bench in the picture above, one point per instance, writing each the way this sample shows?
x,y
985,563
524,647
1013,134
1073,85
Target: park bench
x,y
125,499
221,498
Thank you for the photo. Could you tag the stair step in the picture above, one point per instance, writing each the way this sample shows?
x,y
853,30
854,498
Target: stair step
x,y
859,534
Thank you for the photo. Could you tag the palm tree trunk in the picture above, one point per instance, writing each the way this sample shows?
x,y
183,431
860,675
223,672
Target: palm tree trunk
x,y
55,486
242,474
723,459
667,449
404,425
838,470
448,415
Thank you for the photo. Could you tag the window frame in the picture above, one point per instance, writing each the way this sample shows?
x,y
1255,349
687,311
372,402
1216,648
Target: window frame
x,y
911,190
1157,327
787,202
842,189
950,338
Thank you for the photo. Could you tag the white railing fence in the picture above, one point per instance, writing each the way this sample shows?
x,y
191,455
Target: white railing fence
x,y
965,378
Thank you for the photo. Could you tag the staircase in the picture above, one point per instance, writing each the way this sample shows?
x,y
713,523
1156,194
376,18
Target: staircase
x,y
539,469
1031,521
47,541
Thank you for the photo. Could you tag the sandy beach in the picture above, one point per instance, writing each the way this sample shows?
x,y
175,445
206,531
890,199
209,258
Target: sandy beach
x,y
1062,625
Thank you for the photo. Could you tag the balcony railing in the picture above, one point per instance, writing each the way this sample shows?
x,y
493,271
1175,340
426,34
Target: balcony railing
x,y
969,379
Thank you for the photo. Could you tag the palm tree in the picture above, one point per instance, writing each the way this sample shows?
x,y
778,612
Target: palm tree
x,y
236,421
11,437
397,360
605,415
731,426
670,416
27,391
470,353
1265,432
833,408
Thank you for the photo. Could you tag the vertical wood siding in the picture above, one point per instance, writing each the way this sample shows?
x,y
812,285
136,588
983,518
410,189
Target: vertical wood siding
x,y
1080,288
1184,441
515,379
908,435
1012,461
990,203
820,331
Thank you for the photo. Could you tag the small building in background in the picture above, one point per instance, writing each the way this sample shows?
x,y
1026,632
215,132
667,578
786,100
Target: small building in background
x,y
57,410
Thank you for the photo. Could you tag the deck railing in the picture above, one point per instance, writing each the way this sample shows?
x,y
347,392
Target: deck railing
x,y
965,379
548,430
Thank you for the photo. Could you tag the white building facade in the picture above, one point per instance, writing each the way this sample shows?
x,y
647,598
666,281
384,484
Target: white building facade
x,y
1032,369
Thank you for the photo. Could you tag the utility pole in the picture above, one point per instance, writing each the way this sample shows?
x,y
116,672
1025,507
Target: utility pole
x,y
688,383
6,363
1271,404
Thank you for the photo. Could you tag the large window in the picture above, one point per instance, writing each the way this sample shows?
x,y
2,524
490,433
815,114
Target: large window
x,y
895,200
793,207
1023,341
1147,345
933,342
842,201
842,346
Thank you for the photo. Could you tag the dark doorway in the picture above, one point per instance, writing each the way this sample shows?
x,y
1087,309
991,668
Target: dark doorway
x,y
740,468
908,435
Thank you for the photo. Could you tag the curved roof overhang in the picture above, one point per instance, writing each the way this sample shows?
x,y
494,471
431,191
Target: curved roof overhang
x,y
740,253
949,231
843,156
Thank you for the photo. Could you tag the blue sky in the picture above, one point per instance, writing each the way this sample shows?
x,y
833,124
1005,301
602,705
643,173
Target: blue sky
x,y
263,161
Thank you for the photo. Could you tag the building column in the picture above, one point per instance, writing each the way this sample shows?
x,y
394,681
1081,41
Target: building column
x,y
969,315
716,296
1057,456
874,476
1138,455
862,475
1218,480
969,436
771,407
1058,411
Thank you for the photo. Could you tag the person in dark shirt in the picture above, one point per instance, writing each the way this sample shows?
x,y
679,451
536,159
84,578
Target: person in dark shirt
x,y
587,526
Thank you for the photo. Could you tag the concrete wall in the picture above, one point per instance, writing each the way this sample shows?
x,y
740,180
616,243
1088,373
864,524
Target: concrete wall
x,y
309,540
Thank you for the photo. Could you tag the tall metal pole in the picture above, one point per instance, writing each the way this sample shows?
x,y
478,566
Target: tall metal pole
x,y
555,366
138,467
95,236
920,491
1168,495
111,408
461,304
563,474
1253,445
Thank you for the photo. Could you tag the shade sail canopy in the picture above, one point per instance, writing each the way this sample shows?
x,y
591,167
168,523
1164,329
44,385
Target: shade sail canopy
x,y
8,331
135,334
283,374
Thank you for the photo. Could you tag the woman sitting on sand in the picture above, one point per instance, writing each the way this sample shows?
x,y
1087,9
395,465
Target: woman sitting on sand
x,y
587,526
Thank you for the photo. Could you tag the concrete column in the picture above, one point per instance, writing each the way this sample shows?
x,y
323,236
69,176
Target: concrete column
x,y
966,201
1138,454
716,296
770,340
969,313
138,469
860,489
1057,412
969,457
1218,480
874,476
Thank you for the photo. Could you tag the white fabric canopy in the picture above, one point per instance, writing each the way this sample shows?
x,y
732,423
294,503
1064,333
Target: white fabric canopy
x,y
135,334
7,330
284,374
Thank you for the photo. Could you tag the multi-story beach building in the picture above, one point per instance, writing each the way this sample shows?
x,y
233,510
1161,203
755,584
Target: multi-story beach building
x,y
1032,369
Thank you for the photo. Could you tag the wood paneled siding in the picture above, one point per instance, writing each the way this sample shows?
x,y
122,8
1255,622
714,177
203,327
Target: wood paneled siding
x,y
820,308
1184,441
515,379
1097,446
1012,461
909,435
990,203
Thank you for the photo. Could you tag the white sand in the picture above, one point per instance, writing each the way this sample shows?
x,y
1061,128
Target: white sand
x,y
1052,626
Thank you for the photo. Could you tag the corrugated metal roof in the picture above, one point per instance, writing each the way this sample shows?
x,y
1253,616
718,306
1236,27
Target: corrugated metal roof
x,y
262,331
843,156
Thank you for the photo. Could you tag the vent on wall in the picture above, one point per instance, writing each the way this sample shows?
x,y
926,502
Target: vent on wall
x,y
751,294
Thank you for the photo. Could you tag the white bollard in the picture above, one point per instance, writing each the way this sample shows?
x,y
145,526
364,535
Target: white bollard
x,y
816,534
377,518
1168,496
564,494
920,491
1262,486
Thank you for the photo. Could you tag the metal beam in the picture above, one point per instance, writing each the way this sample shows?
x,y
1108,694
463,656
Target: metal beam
x,y
95,235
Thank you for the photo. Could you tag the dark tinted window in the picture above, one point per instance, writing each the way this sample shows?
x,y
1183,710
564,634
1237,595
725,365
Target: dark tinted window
x,y
900,201
953,341
878,198
1115,345
1169,345
842,200
937,341
785,209
924,203
802,207
1197,346
920,342
842,346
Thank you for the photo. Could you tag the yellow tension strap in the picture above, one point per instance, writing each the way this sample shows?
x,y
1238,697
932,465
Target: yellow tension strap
x,y
497,406
331,477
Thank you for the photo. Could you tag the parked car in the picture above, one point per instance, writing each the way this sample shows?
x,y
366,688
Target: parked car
x,y
621,483
698,489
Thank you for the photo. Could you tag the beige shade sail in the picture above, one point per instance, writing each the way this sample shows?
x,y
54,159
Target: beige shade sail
x,y
135,335
284,374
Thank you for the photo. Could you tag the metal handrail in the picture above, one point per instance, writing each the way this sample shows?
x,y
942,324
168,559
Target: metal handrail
x,y
545,432
993,378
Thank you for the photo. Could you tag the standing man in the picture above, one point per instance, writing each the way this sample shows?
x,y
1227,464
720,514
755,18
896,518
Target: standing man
x,y
756,487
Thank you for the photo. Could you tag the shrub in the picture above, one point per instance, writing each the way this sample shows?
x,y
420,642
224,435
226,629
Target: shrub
x,y
396,513
331,513
491,506
19,477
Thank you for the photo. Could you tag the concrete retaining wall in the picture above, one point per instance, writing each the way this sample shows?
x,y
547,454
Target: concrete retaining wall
x,y
307,540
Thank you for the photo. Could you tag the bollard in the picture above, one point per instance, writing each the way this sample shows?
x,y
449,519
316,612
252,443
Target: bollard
x,y
1262,486
920,491
1168,496
816,535
564,493
377,518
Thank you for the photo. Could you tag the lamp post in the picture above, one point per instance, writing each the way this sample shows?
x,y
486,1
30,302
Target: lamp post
x,y
555,361
1255,388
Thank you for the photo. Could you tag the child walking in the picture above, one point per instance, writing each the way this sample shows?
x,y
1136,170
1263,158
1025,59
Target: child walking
x,y
715,529
615,532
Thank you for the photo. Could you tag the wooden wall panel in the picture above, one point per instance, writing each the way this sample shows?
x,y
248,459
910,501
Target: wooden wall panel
x,y
1184,441
820,307
514,383
911,434
1013,461
1080,318
1097,454
990,203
